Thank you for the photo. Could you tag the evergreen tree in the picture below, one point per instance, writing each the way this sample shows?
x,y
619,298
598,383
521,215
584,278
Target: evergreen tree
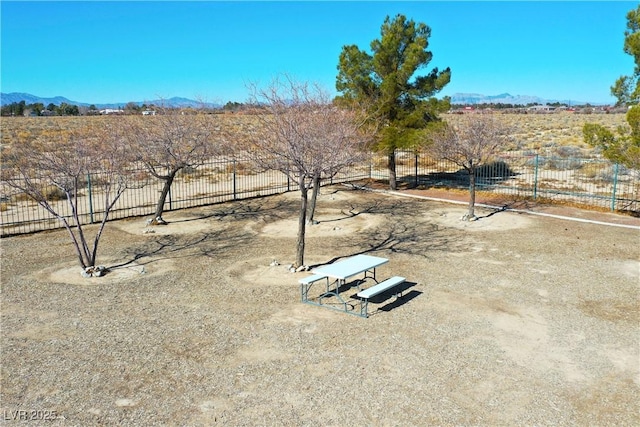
x,y
398,100
625,146
627,88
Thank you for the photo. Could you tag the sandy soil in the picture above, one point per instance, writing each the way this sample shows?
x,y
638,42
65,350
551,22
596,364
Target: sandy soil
x,y
514,319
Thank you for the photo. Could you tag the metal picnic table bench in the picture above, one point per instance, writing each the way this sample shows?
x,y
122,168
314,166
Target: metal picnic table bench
x,y
338,273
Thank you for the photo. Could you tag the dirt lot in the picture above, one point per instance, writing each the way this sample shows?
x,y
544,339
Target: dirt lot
x,y
514,319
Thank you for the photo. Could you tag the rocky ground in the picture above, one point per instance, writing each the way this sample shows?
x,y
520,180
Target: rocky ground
x,y
514,319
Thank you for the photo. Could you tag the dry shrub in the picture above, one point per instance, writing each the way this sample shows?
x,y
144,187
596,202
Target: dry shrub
x,y
591,170
496,168
22,197
427,162
50,192
557,163
141,176
53,194
405,158
189,174
241,168
380,162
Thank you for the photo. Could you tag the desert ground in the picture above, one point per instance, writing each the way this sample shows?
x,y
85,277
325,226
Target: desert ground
x,y
514,319
543,132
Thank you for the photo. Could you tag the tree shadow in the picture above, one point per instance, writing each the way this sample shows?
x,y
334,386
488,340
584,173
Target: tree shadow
x,y
353,211
210,244
401,233
243,209
492,213
487,176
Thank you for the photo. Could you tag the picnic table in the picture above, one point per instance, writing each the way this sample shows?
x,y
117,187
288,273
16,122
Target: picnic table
x,y
336,275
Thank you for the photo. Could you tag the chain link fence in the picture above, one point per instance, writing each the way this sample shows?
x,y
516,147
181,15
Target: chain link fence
x,y
589,182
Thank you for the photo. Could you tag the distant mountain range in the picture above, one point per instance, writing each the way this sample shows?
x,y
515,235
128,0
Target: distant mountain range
x,y
177,102
506,98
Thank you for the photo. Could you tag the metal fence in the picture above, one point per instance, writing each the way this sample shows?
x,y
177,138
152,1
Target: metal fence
x,y
216,181
590,182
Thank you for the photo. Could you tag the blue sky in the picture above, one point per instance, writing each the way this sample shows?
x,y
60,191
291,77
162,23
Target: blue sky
x,y
101,52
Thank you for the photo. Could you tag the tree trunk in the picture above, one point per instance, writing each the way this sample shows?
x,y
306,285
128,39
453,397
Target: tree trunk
x,y
79,241
393,185
168,180
302,222
314,198
77,245
470,216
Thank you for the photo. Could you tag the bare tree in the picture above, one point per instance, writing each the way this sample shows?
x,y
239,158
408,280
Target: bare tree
x,y
472,142
305,136
338,138
57,164
170,142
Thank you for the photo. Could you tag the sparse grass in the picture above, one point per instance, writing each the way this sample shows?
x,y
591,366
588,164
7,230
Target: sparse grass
x,y
54,193
22,197
189,174
530,131
590,171
16,129
597,172
240,168
50,193
551,132
380,162
427,162
404,158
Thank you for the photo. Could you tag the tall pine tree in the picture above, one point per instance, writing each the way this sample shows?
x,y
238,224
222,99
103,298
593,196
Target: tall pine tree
x,y
399,101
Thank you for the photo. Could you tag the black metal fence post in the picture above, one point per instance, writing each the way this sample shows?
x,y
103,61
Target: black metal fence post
x,y
90,198
235,190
